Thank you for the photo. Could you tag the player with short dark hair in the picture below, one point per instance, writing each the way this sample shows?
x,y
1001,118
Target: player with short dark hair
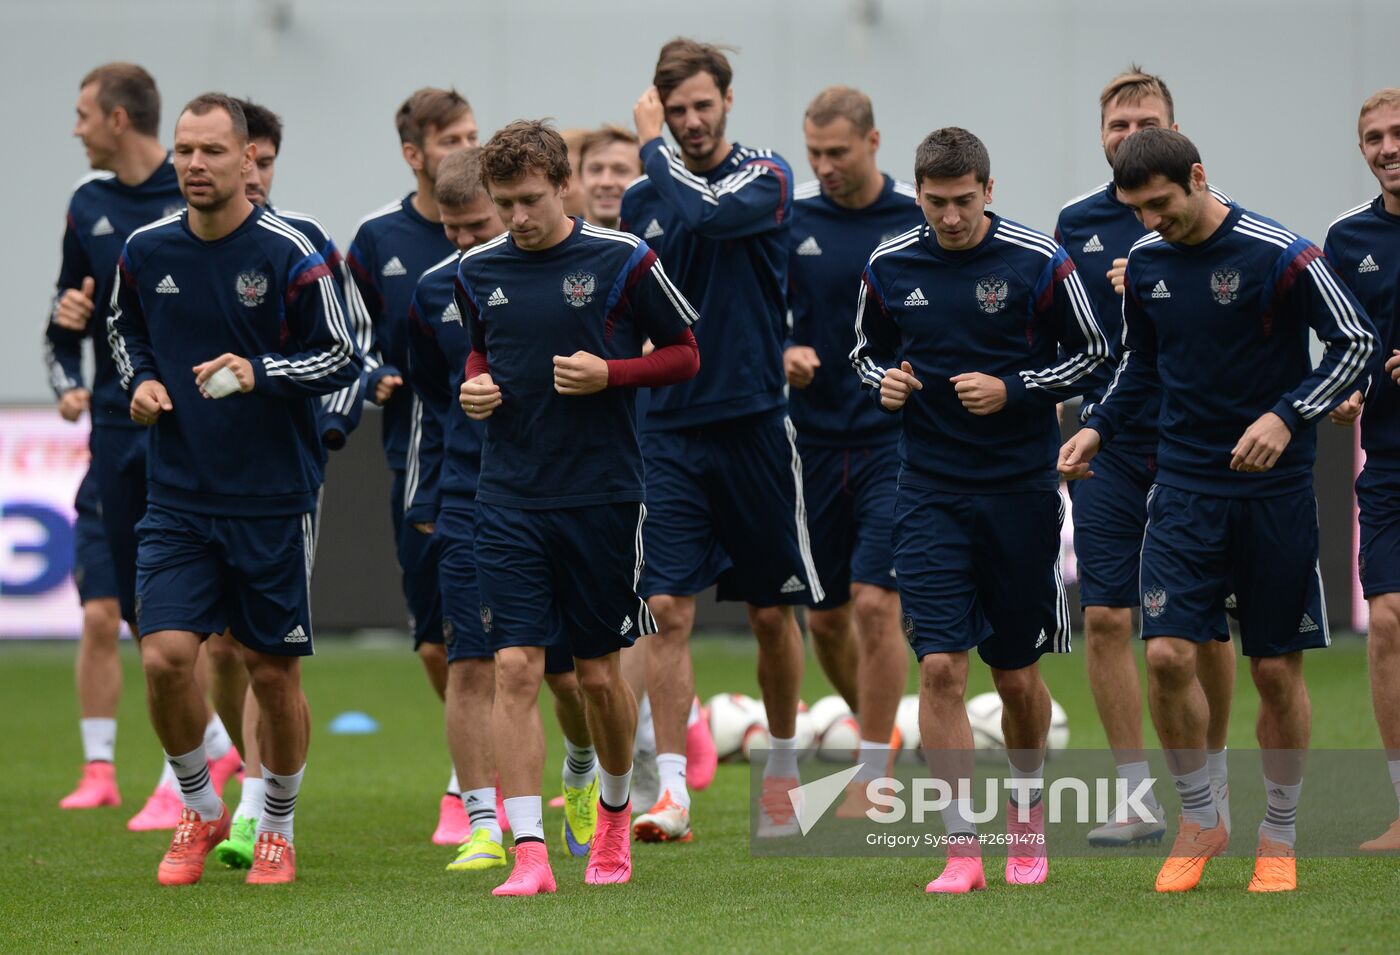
x,y
849,466
972,328
1110,511
558,311
392,247
724,479
1217,307
118,114
235,465
1363,244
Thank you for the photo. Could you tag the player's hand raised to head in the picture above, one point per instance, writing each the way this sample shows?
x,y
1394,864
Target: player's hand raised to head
x,y
581,373
73,403
75,306
897,385
981,394
649,115
1261,444
479,397
1117,273
240,368
1346,413
800,364
150,402
1076,454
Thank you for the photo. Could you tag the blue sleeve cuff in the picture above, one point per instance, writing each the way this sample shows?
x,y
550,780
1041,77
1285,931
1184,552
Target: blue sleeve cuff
x,y
1285,410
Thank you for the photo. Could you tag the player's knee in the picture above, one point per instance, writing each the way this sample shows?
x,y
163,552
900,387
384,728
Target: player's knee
x,y
1171,660
268,674
597,681
942,676
223,651
1277,677
516,675
1107,626
674,615
166,665
472,676
770,623
1017,688
828,626
565,687
1383,629
102,620
876,609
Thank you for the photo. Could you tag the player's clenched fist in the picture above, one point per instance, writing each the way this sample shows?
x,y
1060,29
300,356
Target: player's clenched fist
x,y
75,307
223,376
581,373
897,385
1261,444
479,397
1116,274
73,403
980,394
1077,452
800,364
150,402
1346,413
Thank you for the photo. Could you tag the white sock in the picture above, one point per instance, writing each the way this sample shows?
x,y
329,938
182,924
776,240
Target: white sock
x,y
670,771
1036,776
957,817
1281,818
694,716
526,817
1135,774
1219,769
580,764
195,787
453,789
782,758
217,742
874,759
1394,765
280,802
167,777
481,810
1197,797
250,803
99,738
645,741
614,791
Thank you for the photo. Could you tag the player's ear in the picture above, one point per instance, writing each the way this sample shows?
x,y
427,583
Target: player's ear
x,y
729,99
873,138
119,119
990,180
413,156
250,157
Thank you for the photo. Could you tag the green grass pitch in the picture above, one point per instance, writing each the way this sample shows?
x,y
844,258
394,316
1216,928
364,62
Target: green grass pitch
x,y
371,881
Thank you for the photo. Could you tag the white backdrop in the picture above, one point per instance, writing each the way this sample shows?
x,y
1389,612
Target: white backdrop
x,y
1268,88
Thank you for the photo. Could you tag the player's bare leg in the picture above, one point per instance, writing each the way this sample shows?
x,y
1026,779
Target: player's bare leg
x,y
883,672
179,716
1025,721
518,742
947,744
284,733
97,673
579,798
471,692
781,657
452,826
228,683
671,689
1383,661
837,650
1181,715
1284,731
236,851
1215,669
1117,689
646,785
612,718
434,657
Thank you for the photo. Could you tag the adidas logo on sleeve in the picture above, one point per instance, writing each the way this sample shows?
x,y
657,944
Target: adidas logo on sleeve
x,y
1160,289
497,298
167,286
103,226
1093,245
916,297
393,267
809,246
1368,264
653,230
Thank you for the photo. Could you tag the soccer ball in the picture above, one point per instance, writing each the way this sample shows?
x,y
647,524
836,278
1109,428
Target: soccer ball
x,y
841,741
731,716
755,737
984,713
906,727
827,711
758,736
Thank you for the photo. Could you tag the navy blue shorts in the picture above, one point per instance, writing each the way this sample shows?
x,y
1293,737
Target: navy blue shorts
x,y
1378,500
418,555
1110,513
251,575
725,505
93,572
1198,547
981,570
119,457
850,513
574,567
461,600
